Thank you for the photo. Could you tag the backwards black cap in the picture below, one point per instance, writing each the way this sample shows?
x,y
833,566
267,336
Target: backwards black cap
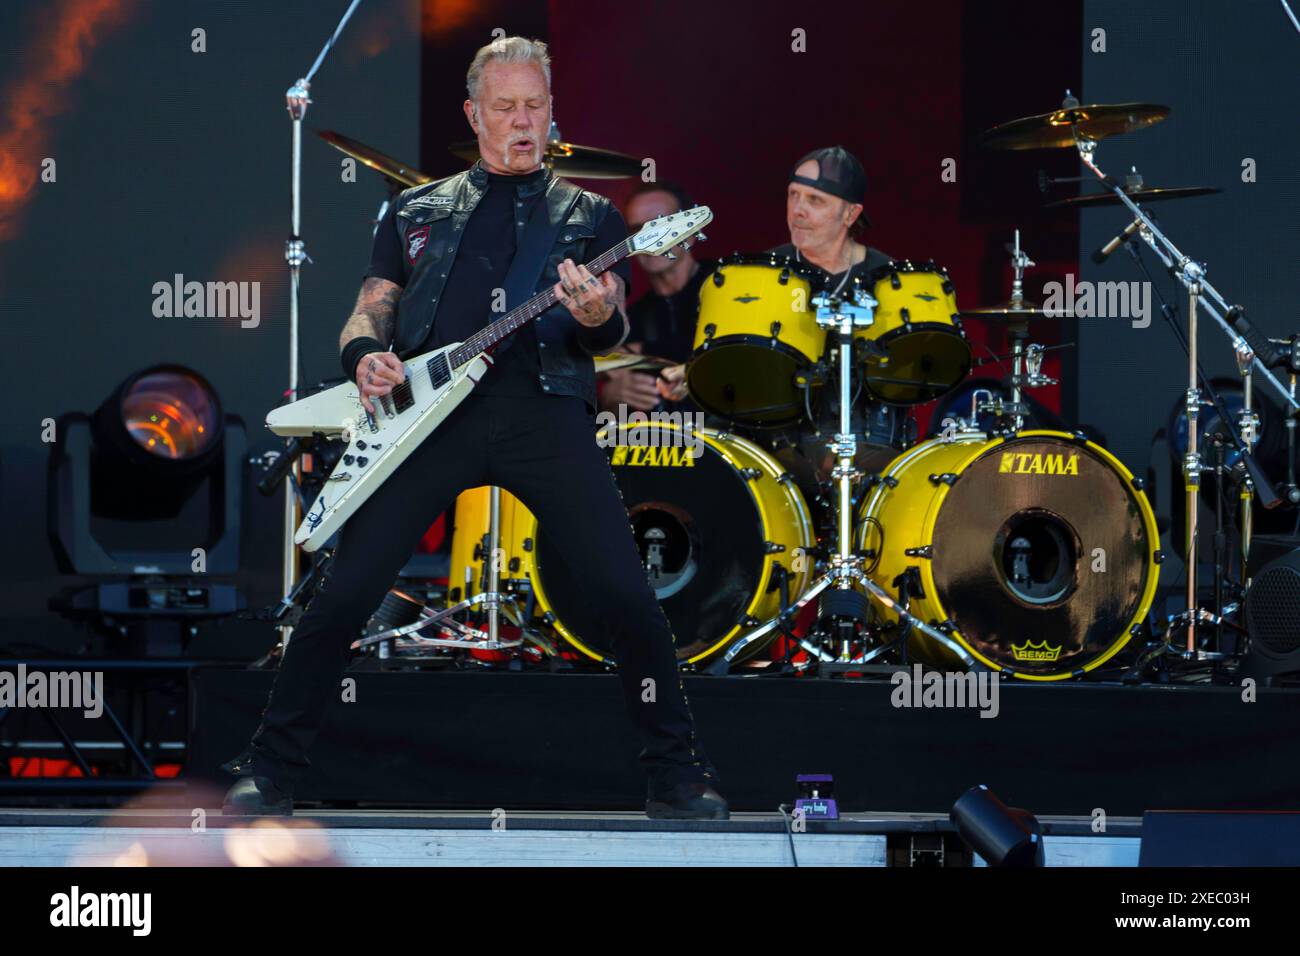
x,y
839,173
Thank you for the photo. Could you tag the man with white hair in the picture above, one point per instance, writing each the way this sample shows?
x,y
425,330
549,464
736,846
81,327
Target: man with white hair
x,y
447,257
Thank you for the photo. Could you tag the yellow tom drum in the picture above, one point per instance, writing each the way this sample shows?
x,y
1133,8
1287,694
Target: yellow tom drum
x,y
756,340
915,350
1037,552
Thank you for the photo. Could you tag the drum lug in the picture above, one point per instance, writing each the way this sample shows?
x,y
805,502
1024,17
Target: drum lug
x,y
895,281
776,333
785,478
718,278
905,315
749,474
708,335
889,481
947,478
1158,557
771,547
528,544
1079,438
947,287
925,551
1139,483
749,621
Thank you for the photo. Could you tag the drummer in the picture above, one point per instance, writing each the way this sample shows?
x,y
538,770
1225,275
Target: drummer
x,y
663,320
823,211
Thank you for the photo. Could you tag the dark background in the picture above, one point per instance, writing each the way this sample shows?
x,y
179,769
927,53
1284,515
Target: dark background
x,y
173,161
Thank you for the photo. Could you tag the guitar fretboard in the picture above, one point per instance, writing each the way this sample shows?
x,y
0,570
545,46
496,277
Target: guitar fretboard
x,y
491,334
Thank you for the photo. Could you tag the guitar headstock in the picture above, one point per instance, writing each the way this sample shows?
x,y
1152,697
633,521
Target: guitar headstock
x,y
658,236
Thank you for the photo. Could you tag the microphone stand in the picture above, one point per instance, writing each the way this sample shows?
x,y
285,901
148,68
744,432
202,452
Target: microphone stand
x,y
295,253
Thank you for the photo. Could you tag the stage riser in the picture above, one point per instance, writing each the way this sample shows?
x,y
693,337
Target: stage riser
x,y
562,742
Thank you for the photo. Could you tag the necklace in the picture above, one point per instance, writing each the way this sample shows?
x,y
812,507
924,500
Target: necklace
x,y
847,271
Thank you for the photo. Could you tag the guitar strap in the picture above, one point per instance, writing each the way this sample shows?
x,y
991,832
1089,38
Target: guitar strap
x,y
544,225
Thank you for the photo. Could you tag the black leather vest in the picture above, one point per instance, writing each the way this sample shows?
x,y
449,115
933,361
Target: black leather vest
x,y
431,220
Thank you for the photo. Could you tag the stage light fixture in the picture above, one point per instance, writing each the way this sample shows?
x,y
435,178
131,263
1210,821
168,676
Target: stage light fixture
x,y
1002,835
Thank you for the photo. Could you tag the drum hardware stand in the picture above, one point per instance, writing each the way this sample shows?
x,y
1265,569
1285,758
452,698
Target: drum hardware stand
x,y
1192,276
1026,359
845,567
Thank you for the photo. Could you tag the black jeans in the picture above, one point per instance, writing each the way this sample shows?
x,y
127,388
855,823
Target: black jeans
x,y
543,450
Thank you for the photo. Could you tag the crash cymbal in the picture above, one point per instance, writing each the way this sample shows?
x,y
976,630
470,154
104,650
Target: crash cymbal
x,y
1143,194
392,169
630,360
570,159
1056,129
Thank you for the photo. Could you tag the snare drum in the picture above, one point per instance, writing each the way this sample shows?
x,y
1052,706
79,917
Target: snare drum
x,y
756,340
915,350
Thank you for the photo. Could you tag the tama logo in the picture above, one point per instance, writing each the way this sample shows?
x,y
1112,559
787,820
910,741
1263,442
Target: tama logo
x,y
1029,651
637,455
1024,463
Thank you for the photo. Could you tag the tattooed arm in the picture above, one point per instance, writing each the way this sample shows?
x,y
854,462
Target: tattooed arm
x,y
369,329
375,314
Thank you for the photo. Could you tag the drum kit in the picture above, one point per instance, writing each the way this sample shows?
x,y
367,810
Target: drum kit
x,y
1028,551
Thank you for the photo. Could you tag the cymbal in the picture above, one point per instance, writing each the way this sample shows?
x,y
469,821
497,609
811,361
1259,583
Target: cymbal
x,y
570,159
393,169
634,361
1142,194
1008,312
1056,129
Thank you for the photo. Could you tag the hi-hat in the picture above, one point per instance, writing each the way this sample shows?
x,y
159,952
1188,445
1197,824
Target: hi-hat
x,y
1009,312
1057,128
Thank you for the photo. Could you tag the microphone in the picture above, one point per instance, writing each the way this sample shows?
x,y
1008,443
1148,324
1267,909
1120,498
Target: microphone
x,y
1259,344
1102,254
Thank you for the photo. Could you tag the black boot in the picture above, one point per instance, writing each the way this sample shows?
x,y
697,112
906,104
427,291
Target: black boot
x,y
686,801
255,793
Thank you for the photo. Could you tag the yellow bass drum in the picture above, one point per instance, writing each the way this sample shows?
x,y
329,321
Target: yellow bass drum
x,y
716,530
1038,552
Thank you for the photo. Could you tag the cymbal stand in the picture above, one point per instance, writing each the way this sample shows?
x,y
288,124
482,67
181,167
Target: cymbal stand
x,y
1202,295
297,99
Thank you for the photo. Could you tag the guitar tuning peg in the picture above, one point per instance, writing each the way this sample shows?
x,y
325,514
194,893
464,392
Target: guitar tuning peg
x,y
669,255
700,237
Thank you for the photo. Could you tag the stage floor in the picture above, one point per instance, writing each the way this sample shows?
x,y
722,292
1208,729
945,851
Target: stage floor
x,y
517,838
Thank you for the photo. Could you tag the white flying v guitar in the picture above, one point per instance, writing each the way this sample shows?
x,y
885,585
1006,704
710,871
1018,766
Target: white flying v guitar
x,y
436,382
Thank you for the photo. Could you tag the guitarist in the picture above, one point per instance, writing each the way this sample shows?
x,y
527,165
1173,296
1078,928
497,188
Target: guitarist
x,y
445,258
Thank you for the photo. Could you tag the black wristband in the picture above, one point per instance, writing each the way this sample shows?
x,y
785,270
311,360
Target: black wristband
x,y
354,350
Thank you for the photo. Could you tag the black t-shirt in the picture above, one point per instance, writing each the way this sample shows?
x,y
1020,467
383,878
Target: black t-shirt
x,y
862,270
479,269
665,324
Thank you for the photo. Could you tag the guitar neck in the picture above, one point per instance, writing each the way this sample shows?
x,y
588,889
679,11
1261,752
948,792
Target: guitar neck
x,y
493,333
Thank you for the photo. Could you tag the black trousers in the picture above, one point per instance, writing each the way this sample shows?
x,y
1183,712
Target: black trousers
x,y
542,450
